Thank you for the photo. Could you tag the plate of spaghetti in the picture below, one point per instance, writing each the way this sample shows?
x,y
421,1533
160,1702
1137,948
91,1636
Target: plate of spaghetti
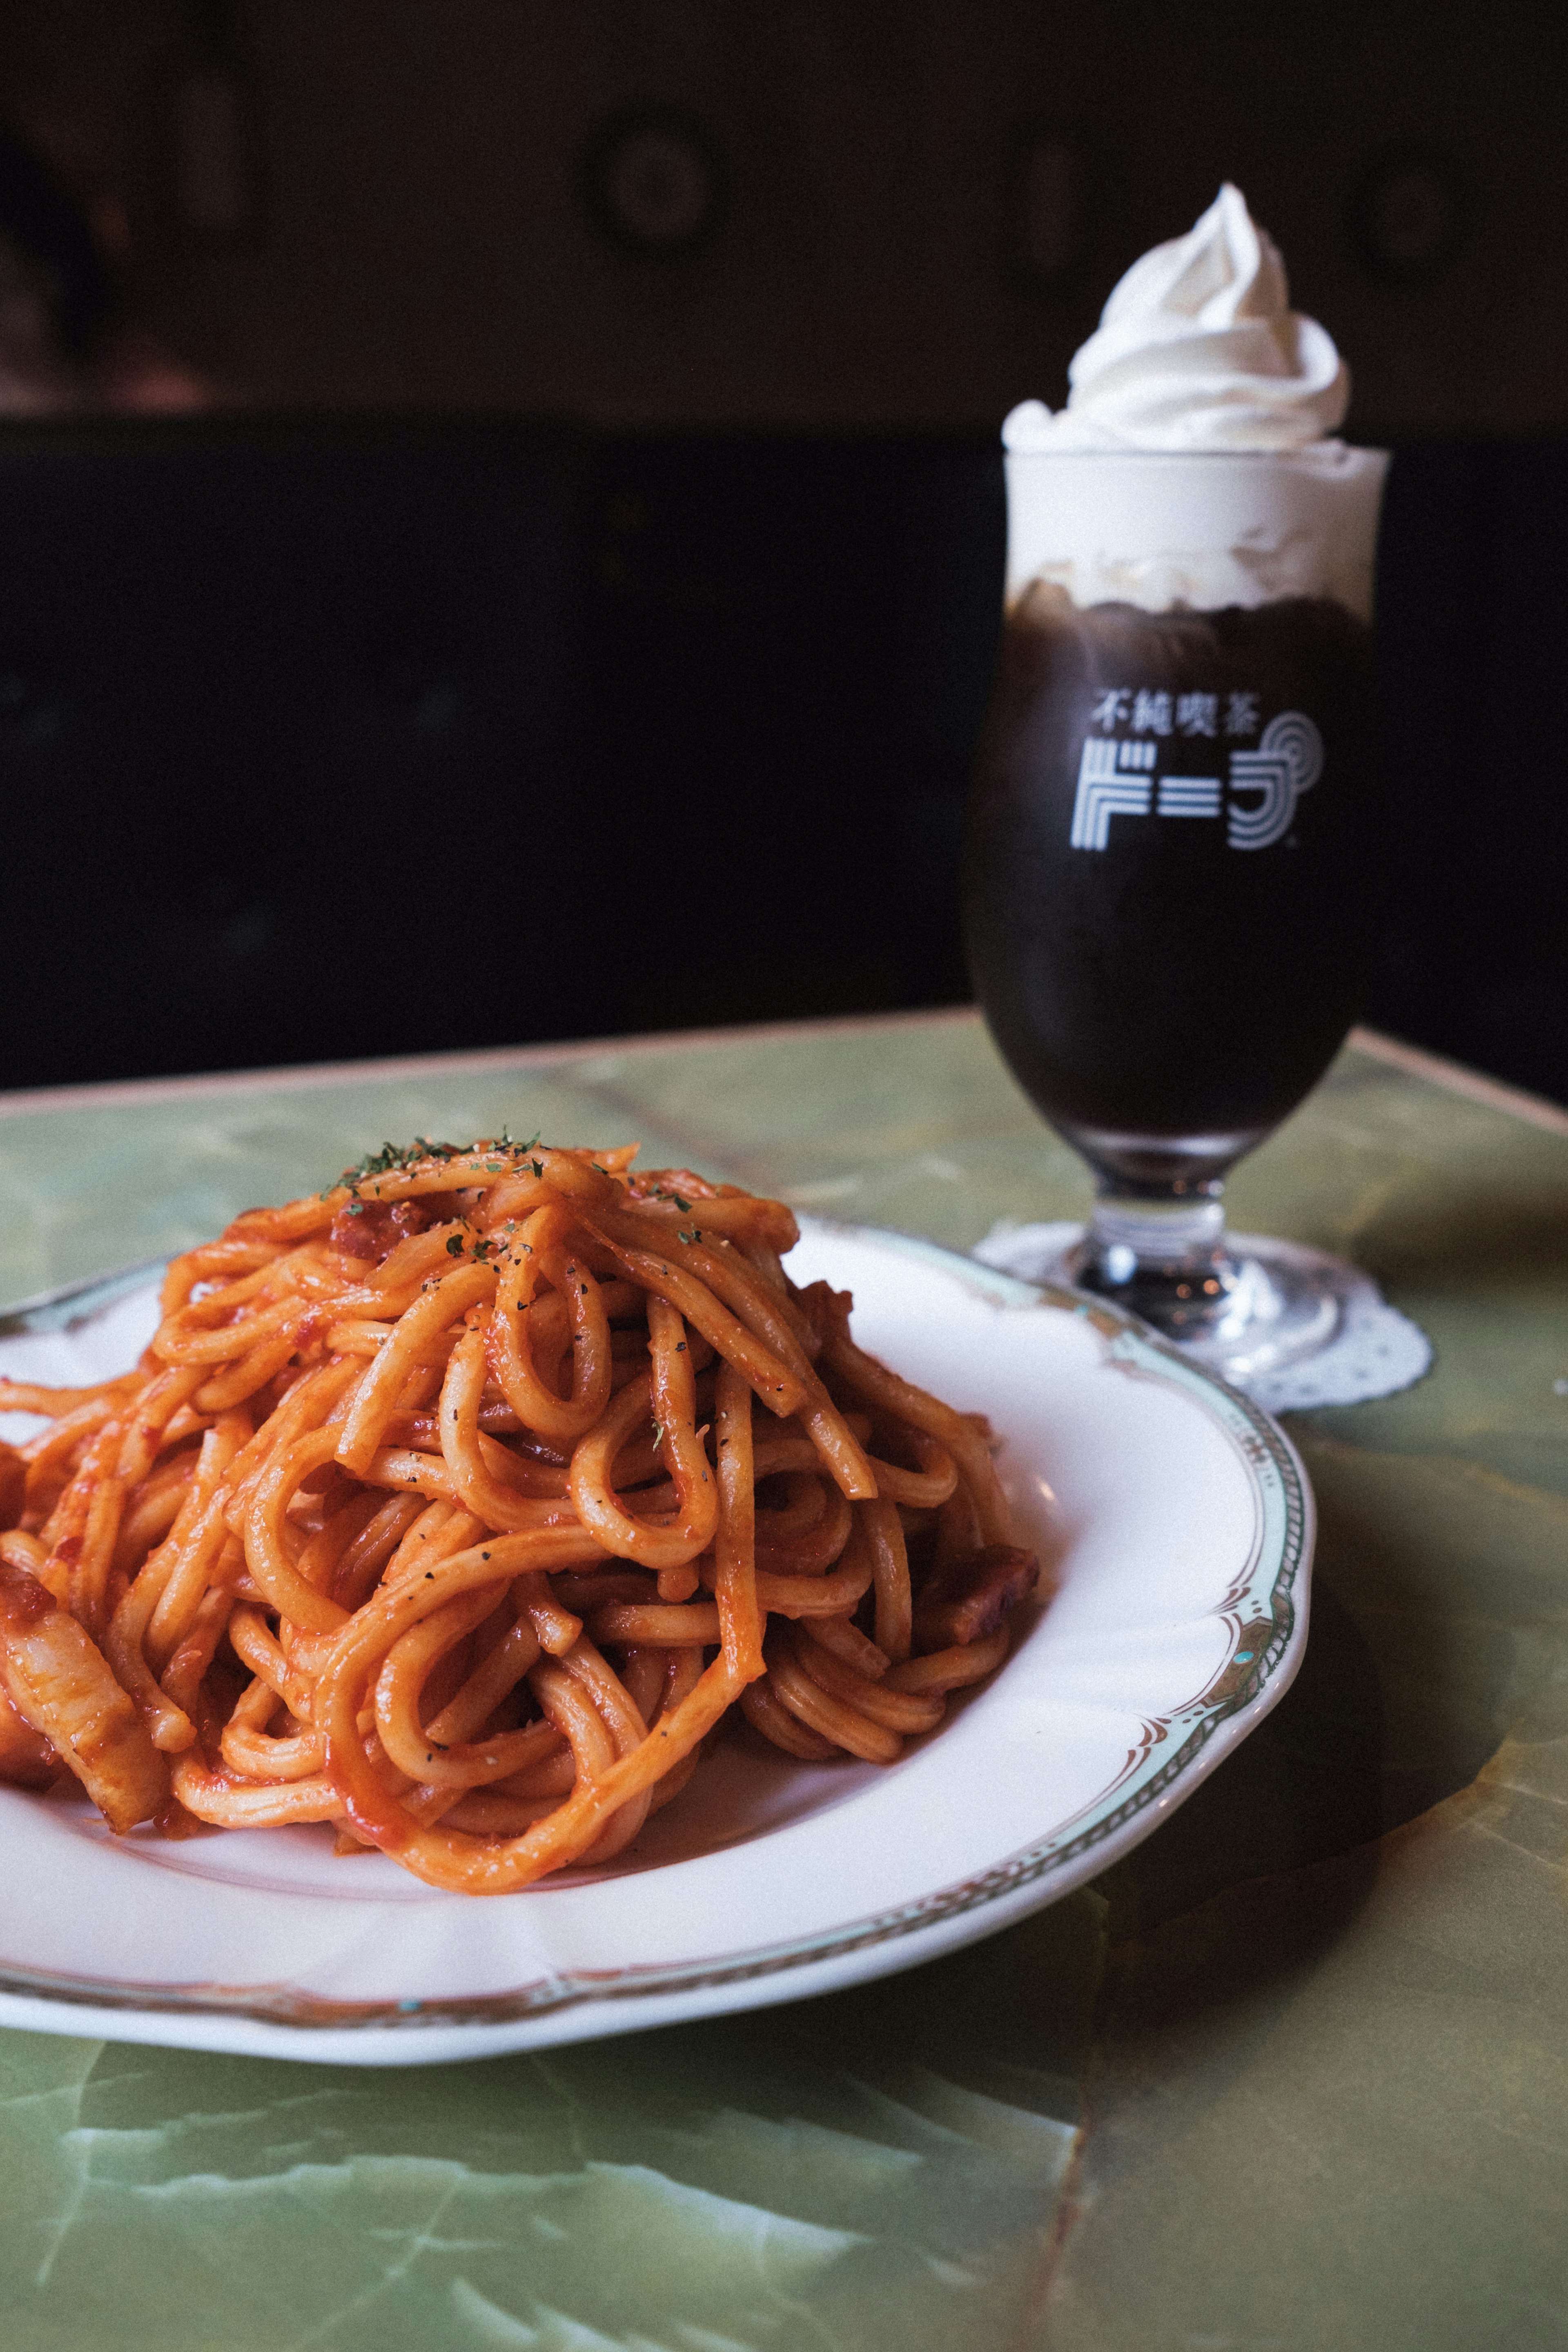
x,y
504,1521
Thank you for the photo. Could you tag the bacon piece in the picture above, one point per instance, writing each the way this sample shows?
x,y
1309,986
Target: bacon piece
x,y
60,1683
370,1230
12,1487
26,1759
968,1601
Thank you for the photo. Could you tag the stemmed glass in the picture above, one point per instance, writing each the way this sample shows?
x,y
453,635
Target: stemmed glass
x,y
1168,886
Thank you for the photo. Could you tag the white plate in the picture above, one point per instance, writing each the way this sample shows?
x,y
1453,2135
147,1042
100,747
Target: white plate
x,y
1175,1517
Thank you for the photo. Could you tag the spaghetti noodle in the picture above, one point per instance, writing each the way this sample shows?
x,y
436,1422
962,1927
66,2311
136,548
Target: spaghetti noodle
x,y
458,1506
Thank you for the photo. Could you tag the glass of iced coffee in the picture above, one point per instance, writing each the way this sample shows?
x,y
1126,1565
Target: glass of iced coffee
x,y
1168,872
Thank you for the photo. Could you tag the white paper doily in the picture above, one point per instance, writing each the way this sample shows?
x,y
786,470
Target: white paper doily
x,y
1374,1350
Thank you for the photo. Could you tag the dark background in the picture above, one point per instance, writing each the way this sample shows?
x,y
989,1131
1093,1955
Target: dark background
x,y
569,618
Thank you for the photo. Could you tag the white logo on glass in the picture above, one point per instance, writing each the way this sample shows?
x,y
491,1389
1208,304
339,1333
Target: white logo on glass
x,y
1287,762
1117,779
1105,789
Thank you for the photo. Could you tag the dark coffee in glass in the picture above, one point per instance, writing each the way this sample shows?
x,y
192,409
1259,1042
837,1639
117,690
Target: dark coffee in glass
x,y
1167,901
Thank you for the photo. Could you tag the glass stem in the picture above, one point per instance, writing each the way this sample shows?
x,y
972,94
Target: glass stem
x,y
1160,1250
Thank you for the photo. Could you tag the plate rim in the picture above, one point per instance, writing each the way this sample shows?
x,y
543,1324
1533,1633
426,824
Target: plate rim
x,y
280,2020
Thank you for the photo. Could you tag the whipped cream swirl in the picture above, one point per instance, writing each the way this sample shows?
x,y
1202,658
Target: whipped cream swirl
x,y
1198,348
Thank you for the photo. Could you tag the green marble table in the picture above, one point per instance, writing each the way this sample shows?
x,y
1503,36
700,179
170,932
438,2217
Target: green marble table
x,y
1295,2076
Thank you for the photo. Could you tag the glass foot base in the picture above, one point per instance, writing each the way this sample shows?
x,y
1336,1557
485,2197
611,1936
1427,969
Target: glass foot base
x,y
1277,1304
1367,1348
1273,1312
